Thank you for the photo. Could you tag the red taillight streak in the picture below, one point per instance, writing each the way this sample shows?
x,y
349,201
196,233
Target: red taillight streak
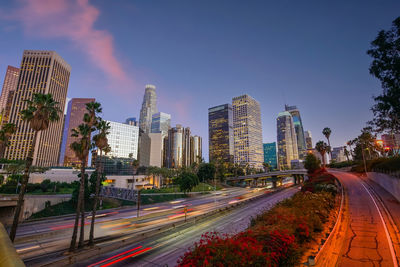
x,y
91,265
123,258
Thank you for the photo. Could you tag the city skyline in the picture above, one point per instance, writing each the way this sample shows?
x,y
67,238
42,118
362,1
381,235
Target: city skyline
x,y
182,92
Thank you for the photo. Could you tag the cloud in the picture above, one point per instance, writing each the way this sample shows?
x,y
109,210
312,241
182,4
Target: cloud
x,y
72,20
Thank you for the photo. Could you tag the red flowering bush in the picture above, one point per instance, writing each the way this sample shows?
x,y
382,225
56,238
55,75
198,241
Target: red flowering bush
x,y
213,250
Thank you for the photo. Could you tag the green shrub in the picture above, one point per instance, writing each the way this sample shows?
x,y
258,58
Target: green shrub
x,y
312,163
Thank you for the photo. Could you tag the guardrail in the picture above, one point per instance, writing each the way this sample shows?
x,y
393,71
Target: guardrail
x,y
8,255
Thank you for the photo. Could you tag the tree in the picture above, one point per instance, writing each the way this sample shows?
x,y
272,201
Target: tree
x,y
385,51
322,148
81,148
311,163
266,166
101,141
206,172
366,142
327,132
187,181
41,111
7,130
346,153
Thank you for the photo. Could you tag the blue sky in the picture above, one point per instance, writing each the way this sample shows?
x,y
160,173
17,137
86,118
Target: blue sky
x,y
202,53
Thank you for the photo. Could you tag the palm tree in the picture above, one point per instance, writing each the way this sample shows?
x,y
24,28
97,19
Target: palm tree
x,y
81,148
322,148
266,166
346,153
101,142
327,132
6,132
41,111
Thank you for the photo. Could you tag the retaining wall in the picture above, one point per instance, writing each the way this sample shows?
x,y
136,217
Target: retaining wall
x,y
390,183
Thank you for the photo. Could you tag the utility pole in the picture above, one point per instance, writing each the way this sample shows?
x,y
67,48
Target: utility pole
x,y
138,203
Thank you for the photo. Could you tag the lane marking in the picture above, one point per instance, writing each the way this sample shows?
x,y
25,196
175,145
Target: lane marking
x,y
394,259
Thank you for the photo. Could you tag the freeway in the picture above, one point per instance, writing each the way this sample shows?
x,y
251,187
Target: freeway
x,y
370,237
38,241
166,248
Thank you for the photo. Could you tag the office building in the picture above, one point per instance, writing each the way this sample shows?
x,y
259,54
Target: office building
x,y
391,141
196,149
338,154
40,72
270,155
220,133
132,121
287,141
123,140
248,147
160,123
156,149
75,111
149,107
7,93
308,138
177,147
298,127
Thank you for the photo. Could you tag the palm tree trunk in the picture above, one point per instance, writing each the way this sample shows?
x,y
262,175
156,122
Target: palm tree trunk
x,y
82,195
78,210
24,183
96,199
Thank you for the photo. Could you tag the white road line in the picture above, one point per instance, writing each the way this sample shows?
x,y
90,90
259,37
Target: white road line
x,y
394,259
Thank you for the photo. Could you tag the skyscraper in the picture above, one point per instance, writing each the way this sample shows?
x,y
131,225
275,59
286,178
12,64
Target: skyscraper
x,y
40,72
298,126
149,107
270,155
247,131
160,123
123,140
131,121
177,147
220,133
308,137
287,141
195,149
7,93
75,112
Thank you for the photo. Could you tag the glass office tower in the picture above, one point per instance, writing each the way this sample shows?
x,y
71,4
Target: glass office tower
x,y
220,133
298,126
287,141
161,122
270,155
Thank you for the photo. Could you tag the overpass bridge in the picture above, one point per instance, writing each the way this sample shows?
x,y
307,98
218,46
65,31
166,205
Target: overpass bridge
x,y
261,179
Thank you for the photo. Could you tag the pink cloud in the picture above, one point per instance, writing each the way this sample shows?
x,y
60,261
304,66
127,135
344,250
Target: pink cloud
x,y
73,20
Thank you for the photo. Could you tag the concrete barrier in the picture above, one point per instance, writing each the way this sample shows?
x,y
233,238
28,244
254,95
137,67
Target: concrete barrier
x,y
8,255
390,183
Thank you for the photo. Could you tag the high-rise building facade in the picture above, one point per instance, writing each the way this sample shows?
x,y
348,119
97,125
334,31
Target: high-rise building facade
x,y
149,107
220,133
40,72
338,154
270,155
247,129
177,147
160,123
7,93
308,138
123,140
196,149
298,126
75,111
287,141
132,121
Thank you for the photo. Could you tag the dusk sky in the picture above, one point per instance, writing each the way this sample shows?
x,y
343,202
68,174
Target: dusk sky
x,y
202,53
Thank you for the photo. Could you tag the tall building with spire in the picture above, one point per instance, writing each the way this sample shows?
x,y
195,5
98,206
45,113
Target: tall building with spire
x,y
7,93
247,131
149,107
298,127
287,141
40,72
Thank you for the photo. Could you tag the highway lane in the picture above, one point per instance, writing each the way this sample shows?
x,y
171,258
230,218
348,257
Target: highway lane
x,y
165,249
367,241
128,224
55,224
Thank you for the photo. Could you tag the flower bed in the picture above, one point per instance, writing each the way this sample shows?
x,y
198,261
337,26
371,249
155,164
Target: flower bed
x,y
277,237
